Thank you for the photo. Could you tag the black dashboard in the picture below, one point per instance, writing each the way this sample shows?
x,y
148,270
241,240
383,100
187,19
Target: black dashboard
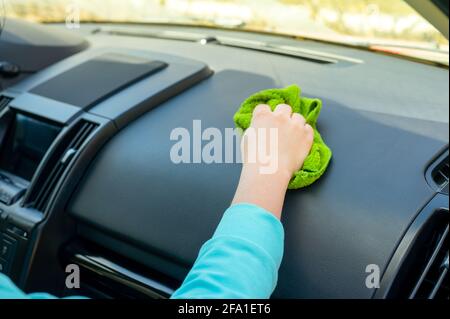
x,y
102,192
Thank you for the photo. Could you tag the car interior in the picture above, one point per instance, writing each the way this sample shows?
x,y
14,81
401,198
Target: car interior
x,y
86,177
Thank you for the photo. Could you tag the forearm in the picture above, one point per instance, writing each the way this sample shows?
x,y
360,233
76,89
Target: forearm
x,y
242,259
264,190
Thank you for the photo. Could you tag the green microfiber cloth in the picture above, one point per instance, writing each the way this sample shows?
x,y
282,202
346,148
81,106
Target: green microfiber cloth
x,y
320,155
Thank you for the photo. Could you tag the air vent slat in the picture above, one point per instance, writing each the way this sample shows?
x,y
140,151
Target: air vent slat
x,y
439,176
4,101
57,164
44,188
81,136
445,177
438,284
48,186
433,274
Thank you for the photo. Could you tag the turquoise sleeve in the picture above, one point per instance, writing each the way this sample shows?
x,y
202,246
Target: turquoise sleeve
x,y
10,291
241,260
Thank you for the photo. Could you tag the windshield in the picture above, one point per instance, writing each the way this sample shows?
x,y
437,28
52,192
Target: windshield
x,y
385,25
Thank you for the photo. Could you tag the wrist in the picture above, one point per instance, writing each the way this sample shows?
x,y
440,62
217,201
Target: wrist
x,y
281,176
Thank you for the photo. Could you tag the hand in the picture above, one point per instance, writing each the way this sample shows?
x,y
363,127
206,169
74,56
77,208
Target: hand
x,y
277,142
294,138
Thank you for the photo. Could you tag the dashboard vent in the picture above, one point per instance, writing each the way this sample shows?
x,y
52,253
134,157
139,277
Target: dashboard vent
x,y
419,267
4,101
432,281
57,164
440,174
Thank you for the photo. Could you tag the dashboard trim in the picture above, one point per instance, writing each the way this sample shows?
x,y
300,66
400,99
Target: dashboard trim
x,y
106,268
437,204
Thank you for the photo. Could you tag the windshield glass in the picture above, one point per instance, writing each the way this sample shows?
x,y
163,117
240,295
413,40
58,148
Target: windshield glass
x,y
385,25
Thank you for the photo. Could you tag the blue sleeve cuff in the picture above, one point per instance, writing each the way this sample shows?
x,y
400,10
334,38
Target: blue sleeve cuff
x,y
255,224
242,258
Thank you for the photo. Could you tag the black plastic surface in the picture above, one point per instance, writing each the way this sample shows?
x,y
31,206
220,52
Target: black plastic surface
x,y
121,105
384,119
352,217
110,73
32,47
403,271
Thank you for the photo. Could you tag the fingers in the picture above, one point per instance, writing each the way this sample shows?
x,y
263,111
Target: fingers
x,y
298,118
308,129
283,109
309,136
261,109
309,132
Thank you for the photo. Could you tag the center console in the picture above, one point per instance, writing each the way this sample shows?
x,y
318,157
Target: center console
x,y
52,126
